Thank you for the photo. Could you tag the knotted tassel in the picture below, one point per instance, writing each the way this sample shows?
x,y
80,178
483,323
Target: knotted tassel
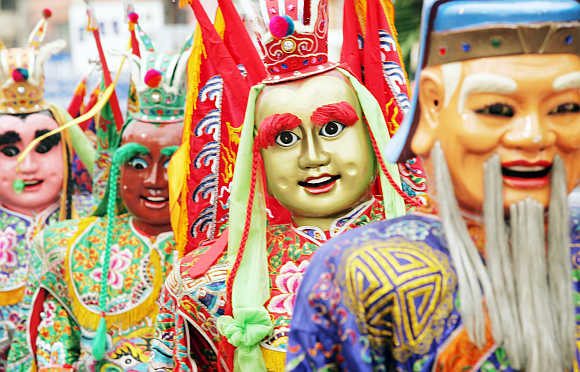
x,y
100,341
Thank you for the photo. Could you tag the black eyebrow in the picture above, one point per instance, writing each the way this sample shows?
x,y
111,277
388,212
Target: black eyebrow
x,y
50,141
9,137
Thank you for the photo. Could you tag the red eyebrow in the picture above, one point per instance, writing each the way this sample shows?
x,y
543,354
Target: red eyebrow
x,y
343,112
273,125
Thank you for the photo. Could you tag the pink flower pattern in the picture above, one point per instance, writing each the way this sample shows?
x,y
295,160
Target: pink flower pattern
x,y
8,240
287,282
119,262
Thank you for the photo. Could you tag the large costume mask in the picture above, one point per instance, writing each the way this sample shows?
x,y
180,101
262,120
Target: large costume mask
x,y
507,103
147,142
312,125
143,181
39,181
304,128
513,107
497,120
41,171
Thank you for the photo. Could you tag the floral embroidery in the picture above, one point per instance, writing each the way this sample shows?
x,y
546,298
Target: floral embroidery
x,y
7,243
120,262
287,282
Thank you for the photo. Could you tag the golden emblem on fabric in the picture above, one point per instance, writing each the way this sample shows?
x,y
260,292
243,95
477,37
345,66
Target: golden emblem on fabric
x,y
400,292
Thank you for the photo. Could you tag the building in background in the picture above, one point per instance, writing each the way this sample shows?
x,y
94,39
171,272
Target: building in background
x,y
12,13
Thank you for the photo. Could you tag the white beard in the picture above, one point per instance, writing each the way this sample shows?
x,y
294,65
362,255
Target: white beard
x,y
528,294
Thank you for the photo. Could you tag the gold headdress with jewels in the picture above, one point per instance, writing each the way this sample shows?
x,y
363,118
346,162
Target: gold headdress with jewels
x,y
22,72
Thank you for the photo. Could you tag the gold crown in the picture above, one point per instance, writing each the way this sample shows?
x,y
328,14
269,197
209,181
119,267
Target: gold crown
x,y
22,72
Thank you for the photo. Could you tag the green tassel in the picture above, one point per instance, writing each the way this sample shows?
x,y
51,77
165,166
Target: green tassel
x,y
18,186
100,341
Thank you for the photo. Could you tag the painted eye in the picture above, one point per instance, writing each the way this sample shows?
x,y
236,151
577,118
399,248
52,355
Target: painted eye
x,y
166,163
138,163
128,361
497,109
566,108
287,138
331,129
10,151
42,148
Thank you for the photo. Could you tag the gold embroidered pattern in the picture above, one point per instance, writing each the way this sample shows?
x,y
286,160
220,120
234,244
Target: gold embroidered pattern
x,y
400,292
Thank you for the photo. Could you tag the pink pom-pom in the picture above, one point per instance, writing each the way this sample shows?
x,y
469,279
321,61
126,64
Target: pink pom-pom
x,y
153,78
20,75
133,17
279,26
46,13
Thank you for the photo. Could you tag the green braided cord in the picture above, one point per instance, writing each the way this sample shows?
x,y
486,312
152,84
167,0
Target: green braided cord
x,y
169,151
121,155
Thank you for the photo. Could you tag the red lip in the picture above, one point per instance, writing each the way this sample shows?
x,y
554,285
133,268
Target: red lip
x,y
526,163
526,183
33,187
317,177
321,187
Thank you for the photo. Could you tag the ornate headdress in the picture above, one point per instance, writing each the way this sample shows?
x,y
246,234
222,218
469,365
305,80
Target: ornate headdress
x,y
293,38
159,80
22,72
458,30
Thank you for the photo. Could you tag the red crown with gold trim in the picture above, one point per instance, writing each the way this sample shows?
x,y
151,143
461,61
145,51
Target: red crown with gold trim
x,y
295,44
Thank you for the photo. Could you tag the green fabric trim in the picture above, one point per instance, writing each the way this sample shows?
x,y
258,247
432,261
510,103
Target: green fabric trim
x,y
251,284
394,203
79,141
245,330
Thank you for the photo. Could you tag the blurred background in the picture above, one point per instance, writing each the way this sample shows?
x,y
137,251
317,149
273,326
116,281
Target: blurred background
x,y
167,24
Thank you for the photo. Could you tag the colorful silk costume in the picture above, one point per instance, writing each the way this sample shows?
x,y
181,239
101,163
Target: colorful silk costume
x,y
17,234
70,287
100,278
486,279
22,96
196,296
384,297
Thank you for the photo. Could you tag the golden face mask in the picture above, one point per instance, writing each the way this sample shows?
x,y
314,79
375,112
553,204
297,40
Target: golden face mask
x,y
317,155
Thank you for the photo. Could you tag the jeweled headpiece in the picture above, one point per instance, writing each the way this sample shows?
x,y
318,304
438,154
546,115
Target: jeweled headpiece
x,y
293,38
159,80
22,72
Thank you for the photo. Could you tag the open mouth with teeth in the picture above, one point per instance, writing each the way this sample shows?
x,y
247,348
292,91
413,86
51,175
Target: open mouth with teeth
x,y
155,202
30,185
524,174
320,184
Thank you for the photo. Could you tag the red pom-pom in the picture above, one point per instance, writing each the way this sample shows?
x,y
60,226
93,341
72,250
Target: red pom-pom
x,y
279,26
46,13
133,17
153,78
20,75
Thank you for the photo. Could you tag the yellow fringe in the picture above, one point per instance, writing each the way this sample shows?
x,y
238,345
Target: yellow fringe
x,y
220,24
360,7
274,360
89,319
179,167
11,297
389,10
181,160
